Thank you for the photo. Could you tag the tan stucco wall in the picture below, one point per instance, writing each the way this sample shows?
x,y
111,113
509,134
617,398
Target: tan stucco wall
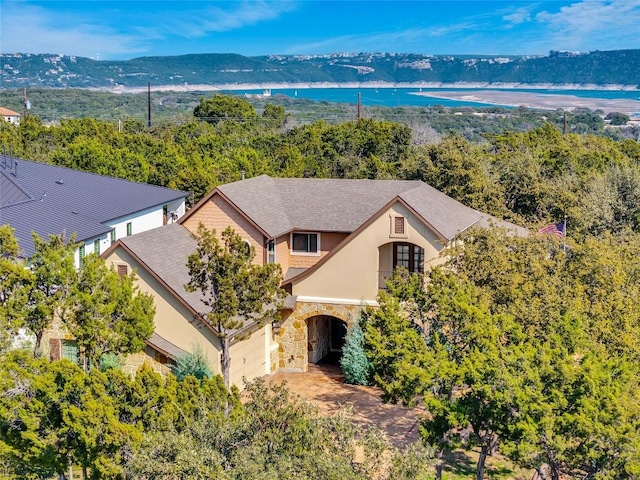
x,y
173,321
218,214
352,273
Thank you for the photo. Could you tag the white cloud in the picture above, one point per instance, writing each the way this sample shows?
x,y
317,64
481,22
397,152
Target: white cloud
x,y
215,19
599,24
409,40
37,29
521,15
31,29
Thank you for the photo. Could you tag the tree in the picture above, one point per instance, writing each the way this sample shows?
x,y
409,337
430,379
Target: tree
x,y
617,118
53,415
463,361
274,115
224,107
237,292
107,313
52,268
14,278
354,362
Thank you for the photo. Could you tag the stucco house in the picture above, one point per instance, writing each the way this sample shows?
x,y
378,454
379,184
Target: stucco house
x,y
47,199
337,241
10,116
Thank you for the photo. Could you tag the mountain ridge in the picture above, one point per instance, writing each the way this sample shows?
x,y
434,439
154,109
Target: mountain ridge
x,y
614,67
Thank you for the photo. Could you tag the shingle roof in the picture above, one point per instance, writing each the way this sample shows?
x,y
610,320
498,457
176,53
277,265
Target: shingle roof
x,y
163,345
49,200
280,205
164,251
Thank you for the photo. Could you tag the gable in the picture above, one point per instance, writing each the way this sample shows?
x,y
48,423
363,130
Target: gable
x,y
351,271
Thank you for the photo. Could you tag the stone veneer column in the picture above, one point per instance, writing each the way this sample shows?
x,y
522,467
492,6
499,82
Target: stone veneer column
x,y
293,339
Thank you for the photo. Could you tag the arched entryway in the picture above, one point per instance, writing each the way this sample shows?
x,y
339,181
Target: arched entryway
x,y
325,338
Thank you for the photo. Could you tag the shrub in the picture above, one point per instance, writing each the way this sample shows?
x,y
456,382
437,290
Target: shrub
x,y
354,362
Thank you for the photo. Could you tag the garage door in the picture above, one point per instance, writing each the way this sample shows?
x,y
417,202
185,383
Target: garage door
x,y
248,358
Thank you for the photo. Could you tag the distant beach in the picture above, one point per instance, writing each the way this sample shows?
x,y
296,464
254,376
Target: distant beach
x,y
537,100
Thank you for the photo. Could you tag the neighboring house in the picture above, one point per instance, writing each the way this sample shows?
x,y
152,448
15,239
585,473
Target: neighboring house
x,y
46,199
336,240
10,116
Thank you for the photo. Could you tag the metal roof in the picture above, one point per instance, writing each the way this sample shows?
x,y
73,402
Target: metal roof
x,y
280,205
48,199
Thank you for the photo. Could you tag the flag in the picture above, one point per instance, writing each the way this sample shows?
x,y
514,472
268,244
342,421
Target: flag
x,y
555,229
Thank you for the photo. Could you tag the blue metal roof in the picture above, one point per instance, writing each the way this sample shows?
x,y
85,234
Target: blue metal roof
x,y
48,200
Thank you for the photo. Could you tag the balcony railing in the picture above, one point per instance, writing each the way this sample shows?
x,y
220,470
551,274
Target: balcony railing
x,y
385,275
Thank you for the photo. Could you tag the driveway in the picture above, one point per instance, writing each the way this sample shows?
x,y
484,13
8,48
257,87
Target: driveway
x,y
324,385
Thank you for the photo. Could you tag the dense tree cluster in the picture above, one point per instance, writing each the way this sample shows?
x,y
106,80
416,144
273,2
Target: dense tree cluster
x,y
528,177
55,418
526,346
521,346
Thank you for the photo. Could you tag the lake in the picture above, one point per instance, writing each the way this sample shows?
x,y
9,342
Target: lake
x,y
405,97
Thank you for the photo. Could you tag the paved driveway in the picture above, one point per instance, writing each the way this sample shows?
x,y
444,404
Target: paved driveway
x,y
324,385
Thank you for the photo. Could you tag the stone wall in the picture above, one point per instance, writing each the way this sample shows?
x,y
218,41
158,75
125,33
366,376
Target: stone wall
x,y
319,337
293,339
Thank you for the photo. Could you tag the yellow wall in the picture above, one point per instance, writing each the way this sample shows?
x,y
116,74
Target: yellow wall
x,y
352,273
173,321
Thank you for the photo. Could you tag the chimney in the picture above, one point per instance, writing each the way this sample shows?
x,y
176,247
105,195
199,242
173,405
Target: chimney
x,y
15,169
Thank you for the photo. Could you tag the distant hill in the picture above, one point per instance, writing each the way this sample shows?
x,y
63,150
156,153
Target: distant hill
x,y
620,67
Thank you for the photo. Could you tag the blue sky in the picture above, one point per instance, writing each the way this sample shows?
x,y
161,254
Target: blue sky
x,y
111,30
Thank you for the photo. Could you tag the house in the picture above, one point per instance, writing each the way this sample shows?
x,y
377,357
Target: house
x,y
10,116
47,199
336,240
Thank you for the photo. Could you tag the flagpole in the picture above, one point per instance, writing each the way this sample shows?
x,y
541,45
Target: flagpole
x,y
564,236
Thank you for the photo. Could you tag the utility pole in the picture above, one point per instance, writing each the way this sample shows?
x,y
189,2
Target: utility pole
x,y
25,103
564,130
148,104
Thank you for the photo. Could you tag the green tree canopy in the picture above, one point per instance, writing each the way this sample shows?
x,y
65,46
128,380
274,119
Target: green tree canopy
x,y
237,292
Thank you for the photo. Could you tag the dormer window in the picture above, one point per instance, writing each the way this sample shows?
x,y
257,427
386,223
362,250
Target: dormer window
x,y
305,243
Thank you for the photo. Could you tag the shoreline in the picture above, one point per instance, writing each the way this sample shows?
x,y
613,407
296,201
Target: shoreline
x,y
311,85
543,101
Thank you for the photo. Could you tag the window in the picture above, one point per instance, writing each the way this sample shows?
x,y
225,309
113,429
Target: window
x,y
96,247
305,243
123,270
271,251
398,226
70,351
408,256
129,229
81,255
113,236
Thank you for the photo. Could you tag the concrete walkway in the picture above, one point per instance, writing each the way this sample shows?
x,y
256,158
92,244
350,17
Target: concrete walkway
x,y
324,385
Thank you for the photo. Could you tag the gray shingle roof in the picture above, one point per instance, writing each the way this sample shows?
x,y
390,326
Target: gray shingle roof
x,y
165,250
280,205
164,345
49,200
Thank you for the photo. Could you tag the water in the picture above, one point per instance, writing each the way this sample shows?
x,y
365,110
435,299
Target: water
x,y
404,97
